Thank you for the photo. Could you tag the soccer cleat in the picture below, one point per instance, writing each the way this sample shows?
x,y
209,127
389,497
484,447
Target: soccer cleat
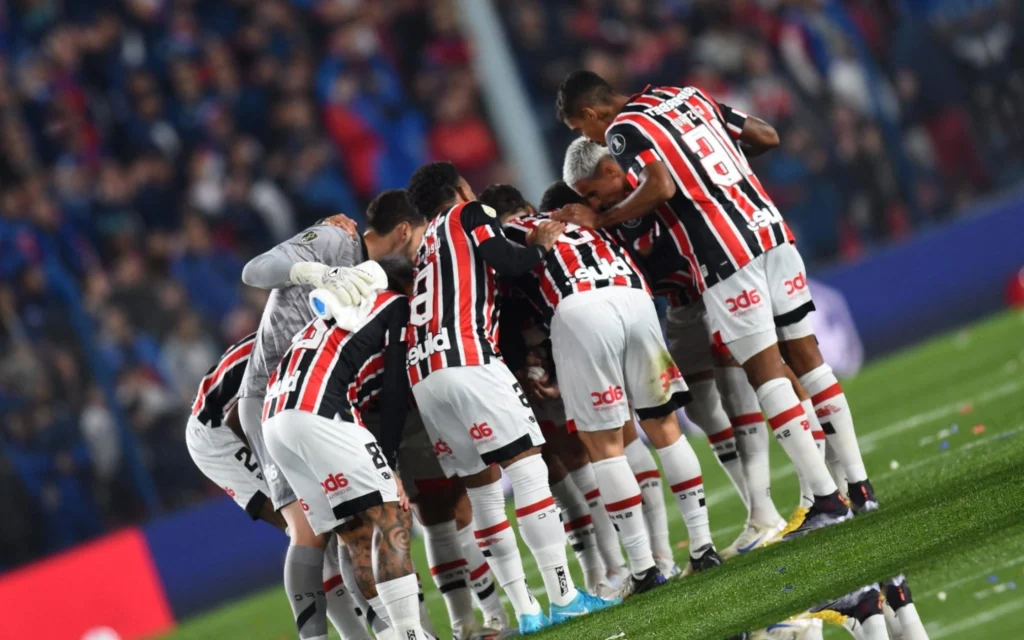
x,y
474,631
706,558
792,629
825,512
532,623
667,567
851,611
651,579
581,605
754,535
862,496
498,622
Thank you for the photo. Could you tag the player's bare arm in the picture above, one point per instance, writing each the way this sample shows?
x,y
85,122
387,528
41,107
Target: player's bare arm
x,y
758,137
656,187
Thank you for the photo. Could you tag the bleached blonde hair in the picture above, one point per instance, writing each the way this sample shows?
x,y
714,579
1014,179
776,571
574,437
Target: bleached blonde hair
x,y
582,159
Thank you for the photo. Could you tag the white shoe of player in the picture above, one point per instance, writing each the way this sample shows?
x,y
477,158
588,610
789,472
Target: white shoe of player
x,y
792,629
754,535
475,631
667,567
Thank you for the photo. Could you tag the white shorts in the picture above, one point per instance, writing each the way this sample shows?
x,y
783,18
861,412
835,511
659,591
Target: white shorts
x,y
250,415
228,463
476,416
689,338
417,465
767,294
336,468
609,352
550,414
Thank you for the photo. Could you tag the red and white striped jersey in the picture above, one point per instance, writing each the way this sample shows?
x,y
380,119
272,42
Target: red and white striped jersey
x,y
581,260
328,370
720,217
219,387
654,251
454,313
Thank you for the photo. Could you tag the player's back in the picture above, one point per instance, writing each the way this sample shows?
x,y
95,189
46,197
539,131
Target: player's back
x,y
667,271
720,216
581,260
325,364
220,385
453,313
287,310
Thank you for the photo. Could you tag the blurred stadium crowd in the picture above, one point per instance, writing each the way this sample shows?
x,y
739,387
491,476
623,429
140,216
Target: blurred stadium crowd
x,y
149,147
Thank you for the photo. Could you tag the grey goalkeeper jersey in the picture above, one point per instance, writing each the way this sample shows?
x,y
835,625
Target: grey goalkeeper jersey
x,y
288,310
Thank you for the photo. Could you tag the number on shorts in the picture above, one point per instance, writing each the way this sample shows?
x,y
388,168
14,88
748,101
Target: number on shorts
x,y
422,304
378,458
522,394
244,455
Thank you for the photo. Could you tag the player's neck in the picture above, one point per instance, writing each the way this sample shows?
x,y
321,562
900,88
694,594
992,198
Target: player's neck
x,y
376,246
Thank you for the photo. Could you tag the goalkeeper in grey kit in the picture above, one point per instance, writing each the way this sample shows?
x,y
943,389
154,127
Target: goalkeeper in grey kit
x,y
329,255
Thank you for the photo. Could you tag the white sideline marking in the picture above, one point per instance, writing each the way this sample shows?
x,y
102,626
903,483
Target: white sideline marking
x,y
976,576
916,420
869,442
976,620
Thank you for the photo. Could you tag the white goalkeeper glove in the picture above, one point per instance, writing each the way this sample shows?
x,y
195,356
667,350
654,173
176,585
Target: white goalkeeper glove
x,y
350,285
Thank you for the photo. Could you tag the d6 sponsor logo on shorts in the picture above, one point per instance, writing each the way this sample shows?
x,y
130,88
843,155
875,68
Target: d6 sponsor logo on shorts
x,y
480,431
744,301
669,376
334,482
795,285
441,448
608,397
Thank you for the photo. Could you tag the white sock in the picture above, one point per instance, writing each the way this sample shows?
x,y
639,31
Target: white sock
x,y
792,430
705,410
806,493
579,531
450,571
428,624
751,433
541,527
835,467
497,542
342,608
874,629
910,622
378,616
644,467
682,471
480,575
401,599
834,413
622,500
607,539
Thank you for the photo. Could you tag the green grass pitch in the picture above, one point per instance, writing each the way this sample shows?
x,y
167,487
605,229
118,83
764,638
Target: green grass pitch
x,y
952,515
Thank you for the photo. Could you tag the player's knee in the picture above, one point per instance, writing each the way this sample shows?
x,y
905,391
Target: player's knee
x,y
602,445
663,430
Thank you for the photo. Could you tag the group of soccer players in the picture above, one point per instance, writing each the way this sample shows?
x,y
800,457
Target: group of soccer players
x,y
401,370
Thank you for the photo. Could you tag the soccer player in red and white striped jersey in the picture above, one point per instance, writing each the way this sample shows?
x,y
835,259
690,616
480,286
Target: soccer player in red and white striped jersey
x,y
686,156
214,436
472,406
338,469
605,329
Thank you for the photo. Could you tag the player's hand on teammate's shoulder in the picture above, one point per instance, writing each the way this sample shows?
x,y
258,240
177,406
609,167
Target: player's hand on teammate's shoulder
x,y
403,498
579,214
344,223
545,234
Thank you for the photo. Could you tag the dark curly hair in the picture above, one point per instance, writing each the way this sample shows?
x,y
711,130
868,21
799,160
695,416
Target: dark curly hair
x,y
557,196
504,199
431,187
